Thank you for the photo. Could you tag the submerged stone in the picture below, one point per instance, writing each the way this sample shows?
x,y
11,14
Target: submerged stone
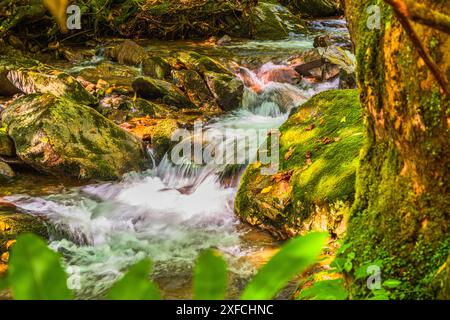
x,y
62,138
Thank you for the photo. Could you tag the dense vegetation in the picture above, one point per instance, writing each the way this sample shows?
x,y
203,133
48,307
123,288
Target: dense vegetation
x,y
365,165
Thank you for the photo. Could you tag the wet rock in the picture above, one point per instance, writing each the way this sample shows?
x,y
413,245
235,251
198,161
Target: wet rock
x,y
14,224
16,43
322,41
157,132
157,68
347,80
226,39
163,91
62,138
128,52
315,8
72,55
117,76
6,172
280,74
228,90
7,63
323,64
120,108
315,185
271,21
6,145
19,74
200,63
195,87
44,80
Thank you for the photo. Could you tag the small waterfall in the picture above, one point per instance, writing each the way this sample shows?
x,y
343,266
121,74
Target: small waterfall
x,y
171,212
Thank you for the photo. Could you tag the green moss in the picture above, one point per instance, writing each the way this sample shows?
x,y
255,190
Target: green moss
x,y
62,138
320,143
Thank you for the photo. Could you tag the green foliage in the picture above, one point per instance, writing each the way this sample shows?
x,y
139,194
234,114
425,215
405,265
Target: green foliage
x,y
210,278
135,285
293,258
325,290
35,271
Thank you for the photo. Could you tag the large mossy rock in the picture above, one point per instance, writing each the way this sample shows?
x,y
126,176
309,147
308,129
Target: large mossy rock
x,y
11,226
59,137
162,91
315,8
120,76
228,90
315,186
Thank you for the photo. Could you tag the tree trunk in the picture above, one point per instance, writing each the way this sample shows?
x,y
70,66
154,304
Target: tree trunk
x,y
400,220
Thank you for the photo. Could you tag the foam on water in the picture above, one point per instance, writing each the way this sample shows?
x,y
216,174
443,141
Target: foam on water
x,y
169,213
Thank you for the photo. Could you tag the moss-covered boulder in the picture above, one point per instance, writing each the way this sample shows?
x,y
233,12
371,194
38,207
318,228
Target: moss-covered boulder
x,y
6,145
228,90
46,80
194,85
128,52
272,21
157,68
160,90
315,8
315,186
200,63
59,137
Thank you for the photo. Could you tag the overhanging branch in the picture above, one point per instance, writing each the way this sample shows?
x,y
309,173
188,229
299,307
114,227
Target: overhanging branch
x,y
404,15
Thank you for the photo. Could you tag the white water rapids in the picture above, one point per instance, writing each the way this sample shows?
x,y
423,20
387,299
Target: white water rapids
x,y
103,229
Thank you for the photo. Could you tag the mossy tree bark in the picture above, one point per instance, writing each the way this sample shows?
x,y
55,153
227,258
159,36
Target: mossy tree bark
x,y
400,220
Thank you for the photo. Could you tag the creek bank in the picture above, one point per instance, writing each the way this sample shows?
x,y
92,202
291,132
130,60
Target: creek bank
x,y
314,189
169,20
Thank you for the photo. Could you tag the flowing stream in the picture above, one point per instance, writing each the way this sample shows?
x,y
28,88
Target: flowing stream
x,y
170,213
